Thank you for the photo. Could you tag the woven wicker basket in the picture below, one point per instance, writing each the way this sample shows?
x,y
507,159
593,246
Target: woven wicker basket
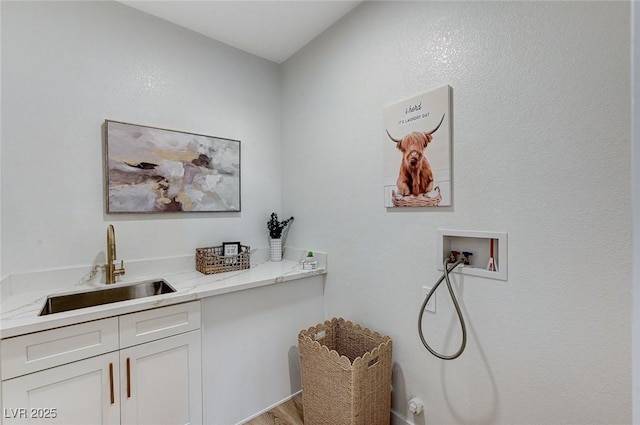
x,y
212,260
346,374
416,201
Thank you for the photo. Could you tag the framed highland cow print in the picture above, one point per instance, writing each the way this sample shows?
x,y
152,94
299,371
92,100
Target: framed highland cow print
x,y
417,151
155,170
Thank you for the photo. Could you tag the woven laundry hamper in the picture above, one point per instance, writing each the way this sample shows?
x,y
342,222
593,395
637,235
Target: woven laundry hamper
x,y
346,374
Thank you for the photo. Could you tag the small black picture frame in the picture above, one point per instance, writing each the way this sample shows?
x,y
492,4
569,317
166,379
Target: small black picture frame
x,y
230,248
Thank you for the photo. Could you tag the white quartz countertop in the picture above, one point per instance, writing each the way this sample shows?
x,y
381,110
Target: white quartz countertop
x,y
19,309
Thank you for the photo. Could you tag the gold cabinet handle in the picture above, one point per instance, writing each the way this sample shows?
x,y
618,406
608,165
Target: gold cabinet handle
x,y
128,377
111,389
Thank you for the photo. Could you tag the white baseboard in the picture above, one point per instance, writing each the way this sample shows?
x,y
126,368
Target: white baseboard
x,y
396,419
266,409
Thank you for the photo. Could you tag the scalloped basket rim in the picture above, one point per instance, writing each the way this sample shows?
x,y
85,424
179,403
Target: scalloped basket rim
x,y
342,359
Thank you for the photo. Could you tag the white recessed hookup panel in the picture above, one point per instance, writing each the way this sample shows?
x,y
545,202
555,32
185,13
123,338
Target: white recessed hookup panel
x,y
488,252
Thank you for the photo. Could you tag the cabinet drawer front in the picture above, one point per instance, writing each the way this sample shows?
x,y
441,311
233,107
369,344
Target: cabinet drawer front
x,y
149,325
41,350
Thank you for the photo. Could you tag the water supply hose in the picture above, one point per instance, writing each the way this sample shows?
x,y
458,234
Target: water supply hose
x,y
445,277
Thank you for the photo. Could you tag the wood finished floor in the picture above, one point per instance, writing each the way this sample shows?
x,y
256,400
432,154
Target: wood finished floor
x,y
288,413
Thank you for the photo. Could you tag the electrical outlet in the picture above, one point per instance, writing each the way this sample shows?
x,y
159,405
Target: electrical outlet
x,y
431,305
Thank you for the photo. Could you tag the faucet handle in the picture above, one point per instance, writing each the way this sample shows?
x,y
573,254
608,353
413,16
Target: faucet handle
x,y
120,271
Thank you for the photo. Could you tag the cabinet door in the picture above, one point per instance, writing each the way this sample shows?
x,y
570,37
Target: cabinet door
x,y
80,393
162,382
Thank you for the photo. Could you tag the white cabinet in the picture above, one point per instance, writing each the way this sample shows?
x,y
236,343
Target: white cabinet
x,y
161,374
161,381
81,393
81,374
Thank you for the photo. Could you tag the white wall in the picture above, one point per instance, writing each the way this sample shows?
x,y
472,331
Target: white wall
x,y
68,66
635,196
541,151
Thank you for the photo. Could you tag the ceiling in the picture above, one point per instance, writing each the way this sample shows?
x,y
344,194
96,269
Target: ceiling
x,y
274,30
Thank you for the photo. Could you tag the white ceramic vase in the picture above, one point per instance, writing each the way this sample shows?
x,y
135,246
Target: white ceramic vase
x,y
276,249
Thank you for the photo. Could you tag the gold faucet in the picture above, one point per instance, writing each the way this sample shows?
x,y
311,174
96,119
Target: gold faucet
x,y
111,270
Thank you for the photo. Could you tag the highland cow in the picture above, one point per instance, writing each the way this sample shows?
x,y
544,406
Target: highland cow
x,y
415,176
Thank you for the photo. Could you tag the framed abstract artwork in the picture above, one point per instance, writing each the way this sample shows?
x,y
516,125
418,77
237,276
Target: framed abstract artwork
x,y
155,170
